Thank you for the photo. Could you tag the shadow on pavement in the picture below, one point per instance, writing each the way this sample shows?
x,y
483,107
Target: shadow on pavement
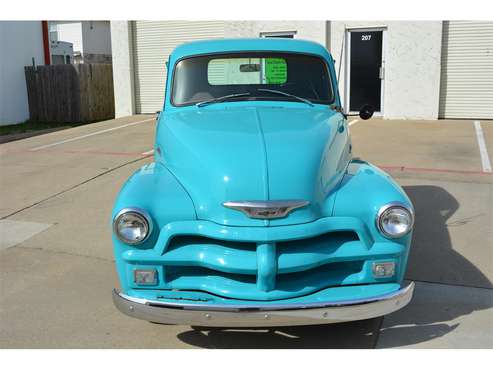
x,y
432,259
432,256
363,334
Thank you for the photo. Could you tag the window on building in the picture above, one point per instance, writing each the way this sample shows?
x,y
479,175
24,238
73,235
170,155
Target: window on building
x,y
282,34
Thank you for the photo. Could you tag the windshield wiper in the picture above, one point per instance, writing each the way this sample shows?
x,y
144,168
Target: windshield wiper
x,y
221,99
289,95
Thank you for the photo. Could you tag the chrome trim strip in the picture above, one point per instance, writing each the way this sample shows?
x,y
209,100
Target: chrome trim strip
x,y
140,211
396,205
258,316
268,209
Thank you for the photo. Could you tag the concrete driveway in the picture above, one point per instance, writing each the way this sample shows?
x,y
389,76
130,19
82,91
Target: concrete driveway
x,y
56,263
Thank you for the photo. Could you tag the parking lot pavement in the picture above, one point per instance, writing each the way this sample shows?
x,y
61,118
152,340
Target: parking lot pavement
x,y
438,163
37,168
55,284
441,316
432,147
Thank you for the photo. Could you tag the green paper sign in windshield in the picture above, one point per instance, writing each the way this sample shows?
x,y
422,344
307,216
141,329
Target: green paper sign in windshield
x,y
276,71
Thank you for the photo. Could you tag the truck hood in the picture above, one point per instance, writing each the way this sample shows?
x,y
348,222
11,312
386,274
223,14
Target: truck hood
x,y
255,154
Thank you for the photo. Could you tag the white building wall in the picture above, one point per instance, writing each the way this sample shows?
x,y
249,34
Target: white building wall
x,y
70,32
412,66
123,73
88,37
96,37
305,30
20,41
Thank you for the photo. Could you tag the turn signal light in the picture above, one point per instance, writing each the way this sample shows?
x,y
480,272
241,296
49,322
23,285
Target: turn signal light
x,y
383,269
145,277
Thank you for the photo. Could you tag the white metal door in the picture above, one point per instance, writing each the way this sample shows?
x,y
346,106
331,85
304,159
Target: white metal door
x,y
153,43
466,89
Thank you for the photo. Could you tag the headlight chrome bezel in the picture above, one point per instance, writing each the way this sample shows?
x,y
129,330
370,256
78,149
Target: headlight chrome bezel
x,y
387,207
140,213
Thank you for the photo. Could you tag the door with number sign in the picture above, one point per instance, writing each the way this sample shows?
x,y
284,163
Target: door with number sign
x,y
365,69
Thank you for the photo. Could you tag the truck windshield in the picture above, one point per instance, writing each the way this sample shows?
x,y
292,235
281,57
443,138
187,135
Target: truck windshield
x,y
251,76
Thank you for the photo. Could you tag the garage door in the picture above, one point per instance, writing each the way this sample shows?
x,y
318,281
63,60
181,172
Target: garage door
x,y
467,70
153,42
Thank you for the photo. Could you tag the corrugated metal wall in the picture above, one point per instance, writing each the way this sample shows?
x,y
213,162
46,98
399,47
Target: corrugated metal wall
x,y
153,42
466,89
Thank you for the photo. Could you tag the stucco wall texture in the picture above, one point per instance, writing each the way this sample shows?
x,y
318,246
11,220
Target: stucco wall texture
x,y
123,73
412,65
306,30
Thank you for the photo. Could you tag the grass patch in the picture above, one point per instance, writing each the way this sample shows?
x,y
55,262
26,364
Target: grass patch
x,y
29,126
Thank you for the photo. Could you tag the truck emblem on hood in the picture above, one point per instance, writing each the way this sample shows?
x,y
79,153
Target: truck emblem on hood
x,y
266,209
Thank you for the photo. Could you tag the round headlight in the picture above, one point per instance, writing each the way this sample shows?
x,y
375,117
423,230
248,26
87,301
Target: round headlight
x,y
395,220
132,225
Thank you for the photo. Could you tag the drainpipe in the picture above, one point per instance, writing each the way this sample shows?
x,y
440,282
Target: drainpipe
x,y
46,42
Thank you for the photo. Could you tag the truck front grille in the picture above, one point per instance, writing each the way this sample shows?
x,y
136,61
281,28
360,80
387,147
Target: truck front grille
x,y
261,271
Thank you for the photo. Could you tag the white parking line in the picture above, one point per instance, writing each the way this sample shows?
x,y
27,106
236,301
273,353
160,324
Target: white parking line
x,y
485,159
16,232
148,152
353,122
88,135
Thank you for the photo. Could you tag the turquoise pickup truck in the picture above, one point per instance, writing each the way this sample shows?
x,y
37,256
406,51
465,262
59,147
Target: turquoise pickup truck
x,y
254,212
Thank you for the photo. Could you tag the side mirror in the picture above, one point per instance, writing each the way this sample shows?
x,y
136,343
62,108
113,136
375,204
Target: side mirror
x,y
366,112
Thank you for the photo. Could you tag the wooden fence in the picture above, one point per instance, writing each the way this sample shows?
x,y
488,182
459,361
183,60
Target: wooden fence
x,y
70,92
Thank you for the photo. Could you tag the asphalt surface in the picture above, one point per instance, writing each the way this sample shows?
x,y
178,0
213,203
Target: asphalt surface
x,y
57,269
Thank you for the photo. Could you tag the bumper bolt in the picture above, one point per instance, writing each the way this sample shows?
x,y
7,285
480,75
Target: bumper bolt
x,y
267,317
131,308
325,314
207,316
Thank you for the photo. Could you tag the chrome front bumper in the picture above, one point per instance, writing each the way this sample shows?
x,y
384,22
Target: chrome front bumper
x,y
263,315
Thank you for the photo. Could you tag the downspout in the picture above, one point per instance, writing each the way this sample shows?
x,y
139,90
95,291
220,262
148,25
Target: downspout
x,y
46,42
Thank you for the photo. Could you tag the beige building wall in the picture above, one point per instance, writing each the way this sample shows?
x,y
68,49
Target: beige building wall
x,y
412,60
412,65
305,30
122,42
123,72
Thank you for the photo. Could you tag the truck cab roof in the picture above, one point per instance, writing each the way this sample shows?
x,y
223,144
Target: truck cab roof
x,y
248,44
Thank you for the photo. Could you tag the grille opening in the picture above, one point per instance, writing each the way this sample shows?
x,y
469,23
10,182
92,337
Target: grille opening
x,y
176,272
324,241
332,273
187,240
